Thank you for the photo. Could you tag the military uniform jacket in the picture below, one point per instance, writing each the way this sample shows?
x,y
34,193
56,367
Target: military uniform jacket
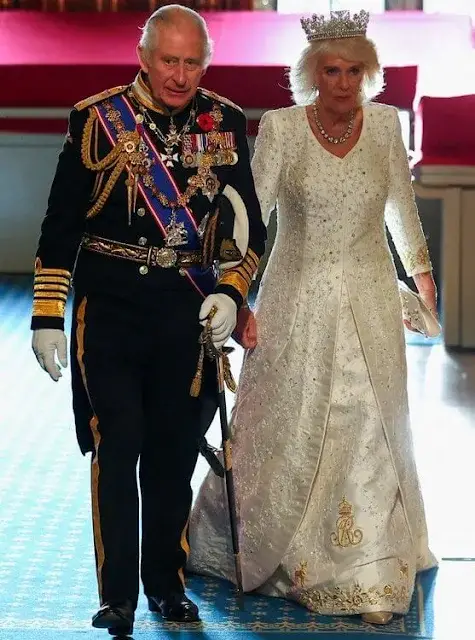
x,y
99,192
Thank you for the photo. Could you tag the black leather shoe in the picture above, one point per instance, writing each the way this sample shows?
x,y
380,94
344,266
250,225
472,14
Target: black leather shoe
x,y
117,617
174,607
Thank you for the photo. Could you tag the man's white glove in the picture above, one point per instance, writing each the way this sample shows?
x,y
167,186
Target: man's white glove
x,y
224,321
46,344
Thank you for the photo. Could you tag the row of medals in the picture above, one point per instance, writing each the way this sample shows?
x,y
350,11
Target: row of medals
x,y
176,233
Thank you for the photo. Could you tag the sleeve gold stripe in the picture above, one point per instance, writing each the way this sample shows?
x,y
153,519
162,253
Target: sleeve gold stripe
x,y
243,273
253,256
51,294
51,280
50,308
235,280
250,265
249,270
51,287
52,272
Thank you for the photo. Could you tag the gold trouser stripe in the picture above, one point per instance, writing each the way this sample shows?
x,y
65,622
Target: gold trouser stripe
x,y
186,548
95,465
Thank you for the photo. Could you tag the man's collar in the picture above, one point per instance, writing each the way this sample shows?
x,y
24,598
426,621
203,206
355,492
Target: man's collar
x,y
141,90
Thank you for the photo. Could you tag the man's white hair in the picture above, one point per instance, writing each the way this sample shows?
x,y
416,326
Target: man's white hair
x,y
174,14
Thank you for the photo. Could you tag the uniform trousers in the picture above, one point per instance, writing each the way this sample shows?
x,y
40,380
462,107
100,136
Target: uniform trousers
x,y
137,363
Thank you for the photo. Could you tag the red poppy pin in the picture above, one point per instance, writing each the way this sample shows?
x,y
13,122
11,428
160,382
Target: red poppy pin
x,y
205,121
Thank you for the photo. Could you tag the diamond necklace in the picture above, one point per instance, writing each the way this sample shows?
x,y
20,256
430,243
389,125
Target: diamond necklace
x,y
333,139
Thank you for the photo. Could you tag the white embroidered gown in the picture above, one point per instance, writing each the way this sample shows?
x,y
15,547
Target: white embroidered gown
x,y
330,510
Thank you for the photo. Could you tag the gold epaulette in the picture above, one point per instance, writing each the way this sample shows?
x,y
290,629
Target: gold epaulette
x,y
222,99
87,102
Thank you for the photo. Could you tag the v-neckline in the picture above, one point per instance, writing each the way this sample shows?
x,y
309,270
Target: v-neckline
x,y
320,145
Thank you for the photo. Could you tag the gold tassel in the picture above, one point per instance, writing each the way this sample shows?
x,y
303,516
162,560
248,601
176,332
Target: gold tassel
x,y
136,190
196,384
212,353
130,185
228,376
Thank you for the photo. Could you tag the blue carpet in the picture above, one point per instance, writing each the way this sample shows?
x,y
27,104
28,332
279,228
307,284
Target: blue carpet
x,y
47,581
60,597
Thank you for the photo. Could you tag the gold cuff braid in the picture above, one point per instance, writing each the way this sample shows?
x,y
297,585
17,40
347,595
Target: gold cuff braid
x,y
50,291
241,277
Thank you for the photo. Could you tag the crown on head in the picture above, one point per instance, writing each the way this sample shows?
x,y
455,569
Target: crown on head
x,y
340,24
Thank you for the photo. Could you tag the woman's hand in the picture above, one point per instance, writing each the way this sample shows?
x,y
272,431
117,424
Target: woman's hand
x,y
245,332
427,290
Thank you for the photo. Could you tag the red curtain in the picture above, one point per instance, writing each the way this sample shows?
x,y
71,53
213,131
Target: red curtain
x,y
125,5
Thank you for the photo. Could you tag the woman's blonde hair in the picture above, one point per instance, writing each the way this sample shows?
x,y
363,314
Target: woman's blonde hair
x,y
359,49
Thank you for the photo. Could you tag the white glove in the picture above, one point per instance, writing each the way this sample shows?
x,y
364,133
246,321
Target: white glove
x,y
224,321
46,344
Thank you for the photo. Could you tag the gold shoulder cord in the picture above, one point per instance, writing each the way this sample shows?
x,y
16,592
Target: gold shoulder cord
x,y
115,158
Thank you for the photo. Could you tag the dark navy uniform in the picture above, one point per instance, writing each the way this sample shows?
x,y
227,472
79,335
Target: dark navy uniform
x,y
134,342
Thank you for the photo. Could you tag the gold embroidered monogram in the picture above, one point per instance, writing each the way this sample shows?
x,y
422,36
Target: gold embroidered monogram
x,y
345,534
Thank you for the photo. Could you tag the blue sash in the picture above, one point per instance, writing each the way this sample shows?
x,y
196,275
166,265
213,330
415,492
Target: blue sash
x,y
203,281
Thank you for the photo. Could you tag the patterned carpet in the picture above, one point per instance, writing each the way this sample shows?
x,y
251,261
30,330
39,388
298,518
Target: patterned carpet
x,y
47,581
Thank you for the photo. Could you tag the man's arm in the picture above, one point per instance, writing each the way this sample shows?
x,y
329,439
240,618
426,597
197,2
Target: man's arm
x,y
61,230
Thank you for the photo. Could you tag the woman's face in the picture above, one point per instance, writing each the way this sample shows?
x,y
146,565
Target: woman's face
x,y
339,83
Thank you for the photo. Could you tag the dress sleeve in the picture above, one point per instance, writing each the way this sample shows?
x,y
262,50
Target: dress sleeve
x,y
267,164
402,217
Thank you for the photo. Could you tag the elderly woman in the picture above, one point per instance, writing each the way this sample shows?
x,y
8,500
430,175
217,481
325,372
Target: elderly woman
x,y
330,510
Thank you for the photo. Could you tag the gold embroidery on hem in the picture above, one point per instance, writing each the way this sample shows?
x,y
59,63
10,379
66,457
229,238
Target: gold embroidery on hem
x,y
345,534
300,574
403,568
353,599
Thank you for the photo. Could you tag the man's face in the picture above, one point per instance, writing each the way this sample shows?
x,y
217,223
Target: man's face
x,y
175,65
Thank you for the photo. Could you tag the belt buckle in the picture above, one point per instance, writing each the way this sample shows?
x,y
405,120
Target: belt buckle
x,y
165,257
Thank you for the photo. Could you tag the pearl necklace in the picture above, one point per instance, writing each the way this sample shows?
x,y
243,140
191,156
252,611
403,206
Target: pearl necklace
x,y
333,139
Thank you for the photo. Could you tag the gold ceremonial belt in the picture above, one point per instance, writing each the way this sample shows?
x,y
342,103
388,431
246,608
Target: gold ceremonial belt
x,y
165,257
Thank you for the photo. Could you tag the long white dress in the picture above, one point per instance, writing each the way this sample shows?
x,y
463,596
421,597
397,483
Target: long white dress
x,y
330,509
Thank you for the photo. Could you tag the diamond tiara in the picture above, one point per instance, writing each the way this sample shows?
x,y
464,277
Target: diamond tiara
x,y
340,24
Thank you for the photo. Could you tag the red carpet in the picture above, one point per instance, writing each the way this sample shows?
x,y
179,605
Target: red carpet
x,y
55,59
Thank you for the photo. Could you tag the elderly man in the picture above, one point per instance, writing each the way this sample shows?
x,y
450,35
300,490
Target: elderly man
x,y
152,190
